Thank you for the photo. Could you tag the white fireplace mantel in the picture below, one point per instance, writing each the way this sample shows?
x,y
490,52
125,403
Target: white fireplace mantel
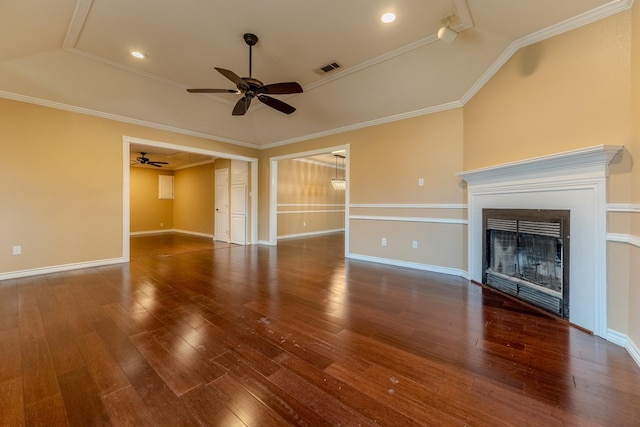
x,y
573,180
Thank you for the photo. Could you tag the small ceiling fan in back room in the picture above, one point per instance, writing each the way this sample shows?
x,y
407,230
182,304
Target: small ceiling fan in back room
x,y
251,88
144,160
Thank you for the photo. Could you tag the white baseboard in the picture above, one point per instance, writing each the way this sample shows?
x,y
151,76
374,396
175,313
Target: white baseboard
x,y
59,268
265,242
415,265
624,341
195,233
312,233
633,350
171,230
144,233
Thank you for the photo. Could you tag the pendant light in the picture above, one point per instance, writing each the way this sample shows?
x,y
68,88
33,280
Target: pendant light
x,y
339,184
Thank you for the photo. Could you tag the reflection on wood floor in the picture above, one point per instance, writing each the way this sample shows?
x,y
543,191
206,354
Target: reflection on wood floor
x,y
200,334
165,244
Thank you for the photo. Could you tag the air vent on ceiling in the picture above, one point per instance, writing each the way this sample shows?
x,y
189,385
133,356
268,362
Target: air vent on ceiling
x,y
328,68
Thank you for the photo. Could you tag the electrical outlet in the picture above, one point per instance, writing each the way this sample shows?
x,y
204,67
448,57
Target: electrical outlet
x,y
420,182
17,250
304,223
162,224
414,245
384,242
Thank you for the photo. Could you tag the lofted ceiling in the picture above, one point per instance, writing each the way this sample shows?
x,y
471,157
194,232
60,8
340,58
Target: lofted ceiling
x,y
75,54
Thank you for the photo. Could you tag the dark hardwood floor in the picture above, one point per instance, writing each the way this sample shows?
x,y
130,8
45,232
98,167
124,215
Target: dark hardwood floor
x,y
196,333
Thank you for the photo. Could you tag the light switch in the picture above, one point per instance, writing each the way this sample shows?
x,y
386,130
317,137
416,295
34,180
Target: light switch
x,y
420,182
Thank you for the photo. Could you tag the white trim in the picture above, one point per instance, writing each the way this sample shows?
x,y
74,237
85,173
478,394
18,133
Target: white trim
x,y
311,233
60,268
408,219
126,209
414,265
122,119
616,337
366,124
313,211
623,340
633,350
310,204
171,230
273,188
624,238
623,207
593,15
411,205
574,180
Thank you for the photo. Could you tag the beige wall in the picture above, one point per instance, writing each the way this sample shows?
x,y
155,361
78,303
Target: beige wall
x,y
194,199
305,188
568,92
61,182
385,164
147,211
577,89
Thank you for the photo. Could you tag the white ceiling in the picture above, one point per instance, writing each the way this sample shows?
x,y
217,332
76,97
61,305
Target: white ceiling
x,y
76,55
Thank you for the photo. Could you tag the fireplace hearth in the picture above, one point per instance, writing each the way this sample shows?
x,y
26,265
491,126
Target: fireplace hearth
x,y
526,255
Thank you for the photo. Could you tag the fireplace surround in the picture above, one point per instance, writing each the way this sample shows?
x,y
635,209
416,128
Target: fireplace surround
x,y
573,181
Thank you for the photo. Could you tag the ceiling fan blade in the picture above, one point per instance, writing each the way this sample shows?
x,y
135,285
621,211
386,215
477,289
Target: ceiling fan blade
x,y
277,104
234,78
158,163
213,91
154,164
242,106
281,88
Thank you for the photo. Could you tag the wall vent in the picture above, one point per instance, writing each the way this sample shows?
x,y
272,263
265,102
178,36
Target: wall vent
x,y
328,68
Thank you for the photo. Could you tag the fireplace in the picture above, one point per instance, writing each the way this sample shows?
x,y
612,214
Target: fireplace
x,y
526,255
574,181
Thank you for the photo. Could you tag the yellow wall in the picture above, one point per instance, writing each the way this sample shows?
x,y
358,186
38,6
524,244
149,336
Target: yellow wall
x,y
61,184
568,92
577,89
305,188
147,211
194,199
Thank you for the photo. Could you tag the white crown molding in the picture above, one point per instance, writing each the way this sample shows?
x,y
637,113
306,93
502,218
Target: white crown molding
x,y
362,125
593,15
117,118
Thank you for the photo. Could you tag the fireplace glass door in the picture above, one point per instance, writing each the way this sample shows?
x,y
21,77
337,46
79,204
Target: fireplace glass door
x,y
526,255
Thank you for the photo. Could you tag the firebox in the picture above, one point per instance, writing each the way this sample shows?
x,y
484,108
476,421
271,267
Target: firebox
x,y
526,255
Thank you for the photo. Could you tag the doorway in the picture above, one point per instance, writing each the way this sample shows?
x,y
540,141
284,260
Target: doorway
x,y
274,202
126,181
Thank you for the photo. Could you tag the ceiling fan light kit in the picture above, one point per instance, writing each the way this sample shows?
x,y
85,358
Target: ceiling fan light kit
x,y
251,88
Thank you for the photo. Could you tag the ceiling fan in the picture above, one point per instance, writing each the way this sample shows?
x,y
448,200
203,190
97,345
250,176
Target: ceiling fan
x,y
143,160
251,88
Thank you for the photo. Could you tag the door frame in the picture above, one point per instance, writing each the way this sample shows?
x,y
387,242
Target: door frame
x,y
216,216
273,190
126,180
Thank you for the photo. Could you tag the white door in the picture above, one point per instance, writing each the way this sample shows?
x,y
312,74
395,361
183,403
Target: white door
x,y
239,214
222,205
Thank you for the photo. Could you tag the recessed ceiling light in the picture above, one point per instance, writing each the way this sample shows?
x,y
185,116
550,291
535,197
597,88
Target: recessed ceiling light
x,y
388,17
137,54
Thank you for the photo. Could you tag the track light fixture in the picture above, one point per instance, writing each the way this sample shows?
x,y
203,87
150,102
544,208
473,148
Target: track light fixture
x,y
446,33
